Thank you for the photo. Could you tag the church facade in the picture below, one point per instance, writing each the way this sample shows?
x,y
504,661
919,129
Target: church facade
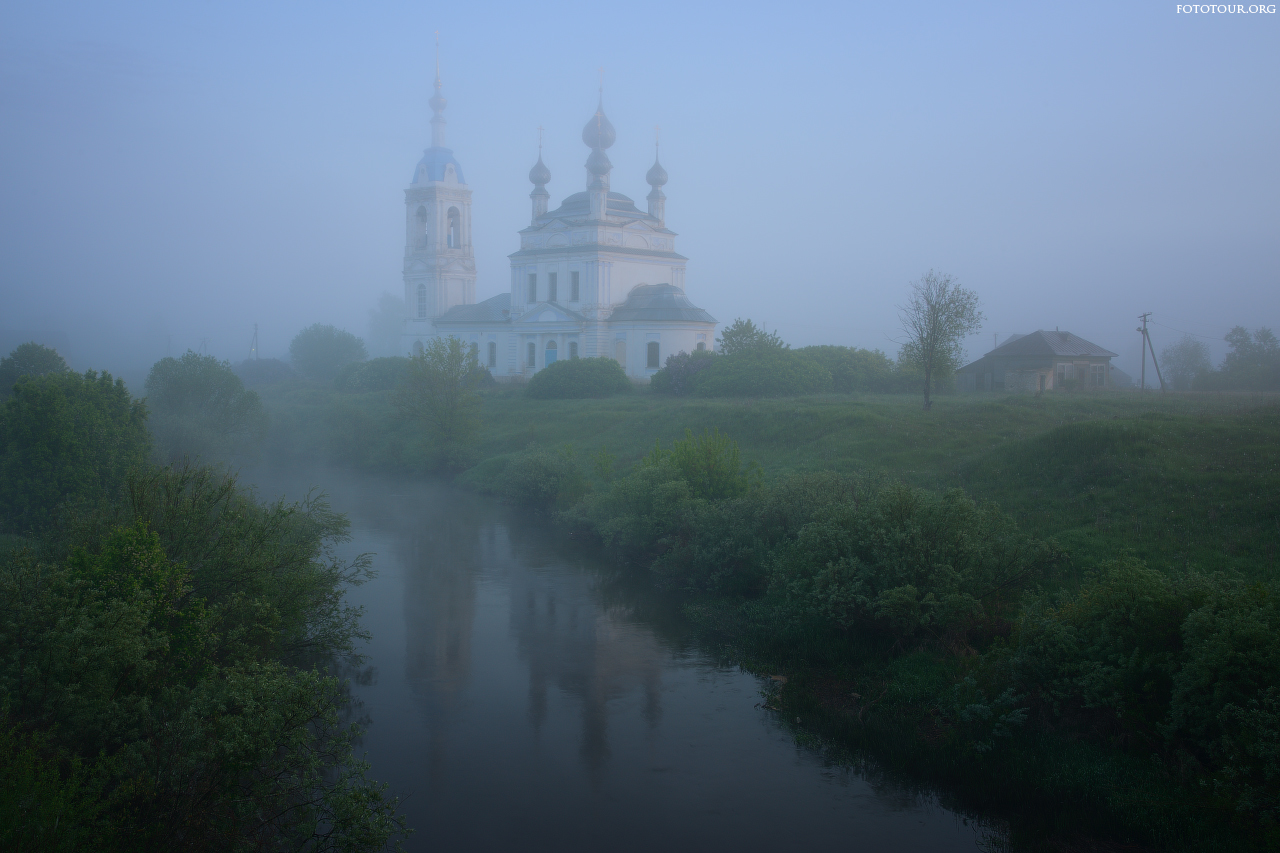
x,y
597,276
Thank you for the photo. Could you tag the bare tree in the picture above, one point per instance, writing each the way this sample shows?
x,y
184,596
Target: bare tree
x,y
937,316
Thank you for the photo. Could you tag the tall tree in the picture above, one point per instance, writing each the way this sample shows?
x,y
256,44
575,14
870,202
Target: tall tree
x,y
743,336
320,351
29,359
439,389
1184,361
1254,360
200,408
937,316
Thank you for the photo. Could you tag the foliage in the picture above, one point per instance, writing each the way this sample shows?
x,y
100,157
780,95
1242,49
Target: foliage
x,y
709,463
377,374
66,439
743,336
386,326
200,408
545,479
29,359
263,371
1254,360
163,651
318,352
1185,362
679,375
438,391
762,372
855,370
937,316
576,378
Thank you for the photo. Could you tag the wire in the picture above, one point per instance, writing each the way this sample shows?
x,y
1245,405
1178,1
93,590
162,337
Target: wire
x,y
1185,332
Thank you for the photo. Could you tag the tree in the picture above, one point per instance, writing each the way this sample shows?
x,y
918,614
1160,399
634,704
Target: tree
x,y
1254,360
200,408
386,326
937,316
66,439
745,336
1185,361
576,378
320,351
679,376
29,359
438,389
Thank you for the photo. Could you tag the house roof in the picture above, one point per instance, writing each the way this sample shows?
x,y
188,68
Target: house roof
x,y
496,309
1045,344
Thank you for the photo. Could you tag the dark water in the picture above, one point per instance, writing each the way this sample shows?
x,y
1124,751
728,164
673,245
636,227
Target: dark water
x,y
516,701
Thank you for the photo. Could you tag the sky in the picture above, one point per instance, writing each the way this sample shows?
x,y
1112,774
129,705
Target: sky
x,y
176,172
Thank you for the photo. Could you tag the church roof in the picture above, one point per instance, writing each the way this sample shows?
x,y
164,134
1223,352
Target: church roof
x,y
431,166
578,206
496,309
659,302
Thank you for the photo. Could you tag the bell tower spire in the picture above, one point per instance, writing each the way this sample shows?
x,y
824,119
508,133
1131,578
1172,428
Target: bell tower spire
x,y
599,135
657,178
539,176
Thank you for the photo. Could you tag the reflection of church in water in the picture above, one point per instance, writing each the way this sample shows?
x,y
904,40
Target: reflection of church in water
x,y
594,277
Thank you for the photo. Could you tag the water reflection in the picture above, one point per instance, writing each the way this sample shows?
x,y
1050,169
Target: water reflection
x,y
519,707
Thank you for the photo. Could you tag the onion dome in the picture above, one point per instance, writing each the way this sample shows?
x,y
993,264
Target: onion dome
x,y
656,176
598,162
599,132
539,174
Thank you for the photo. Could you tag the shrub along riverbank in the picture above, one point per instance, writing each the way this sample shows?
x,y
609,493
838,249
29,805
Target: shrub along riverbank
x,y
1064,607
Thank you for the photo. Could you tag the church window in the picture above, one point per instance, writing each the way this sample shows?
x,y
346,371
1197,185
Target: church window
x,y
493,354
573,349
422,301
653,355
422,225
573,286
533,354
533,287
417,347
475,352
453,237
702,345
551,287
552,352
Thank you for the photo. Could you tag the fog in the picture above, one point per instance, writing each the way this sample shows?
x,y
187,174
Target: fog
x,y
175,173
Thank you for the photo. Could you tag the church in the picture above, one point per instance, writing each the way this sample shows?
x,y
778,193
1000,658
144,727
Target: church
x,y
594,277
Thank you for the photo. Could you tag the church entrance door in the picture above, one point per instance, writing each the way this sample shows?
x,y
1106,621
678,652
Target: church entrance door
x,y
551,354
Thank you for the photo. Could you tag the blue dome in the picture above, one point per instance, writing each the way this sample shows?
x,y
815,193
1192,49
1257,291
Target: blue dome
x,y
431,166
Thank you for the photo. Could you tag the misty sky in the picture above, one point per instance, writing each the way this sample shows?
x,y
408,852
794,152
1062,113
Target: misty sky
x,y
174,172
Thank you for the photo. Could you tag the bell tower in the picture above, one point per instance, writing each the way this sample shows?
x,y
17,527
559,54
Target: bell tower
x,y
439,262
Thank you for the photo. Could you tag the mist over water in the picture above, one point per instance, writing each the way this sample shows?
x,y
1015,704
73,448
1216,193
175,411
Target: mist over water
x,y
515,702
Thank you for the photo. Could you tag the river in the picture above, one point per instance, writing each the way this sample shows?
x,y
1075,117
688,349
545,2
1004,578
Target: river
x,y
516,701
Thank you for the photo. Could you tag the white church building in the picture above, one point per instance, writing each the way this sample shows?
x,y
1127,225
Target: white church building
x,y
594,277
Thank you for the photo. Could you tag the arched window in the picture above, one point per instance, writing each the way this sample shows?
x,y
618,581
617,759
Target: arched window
x,y
493,354
653,354
702,345
573,349
453,237
475,353
422,301
421,216
552,353
533,354
417,347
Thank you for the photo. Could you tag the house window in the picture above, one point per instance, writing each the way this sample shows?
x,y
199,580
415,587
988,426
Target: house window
x,y
533,287
1097,375
573,349
422,301
653,355
453,237
533,355
1066,372
493,354
573,286
551,287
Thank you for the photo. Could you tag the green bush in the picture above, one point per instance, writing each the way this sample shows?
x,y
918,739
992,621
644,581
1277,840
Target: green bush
x,y
762,372
545,479
576,378
680,373
377,374
320,352
66,439
856,370
29,359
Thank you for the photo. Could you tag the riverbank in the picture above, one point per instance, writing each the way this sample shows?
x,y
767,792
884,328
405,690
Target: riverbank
x,y
1178,484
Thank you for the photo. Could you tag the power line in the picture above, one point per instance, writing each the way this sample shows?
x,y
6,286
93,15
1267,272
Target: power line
x,y
1185,332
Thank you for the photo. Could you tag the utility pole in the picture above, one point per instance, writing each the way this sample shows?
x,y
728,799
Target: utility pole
x,y
1147,345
